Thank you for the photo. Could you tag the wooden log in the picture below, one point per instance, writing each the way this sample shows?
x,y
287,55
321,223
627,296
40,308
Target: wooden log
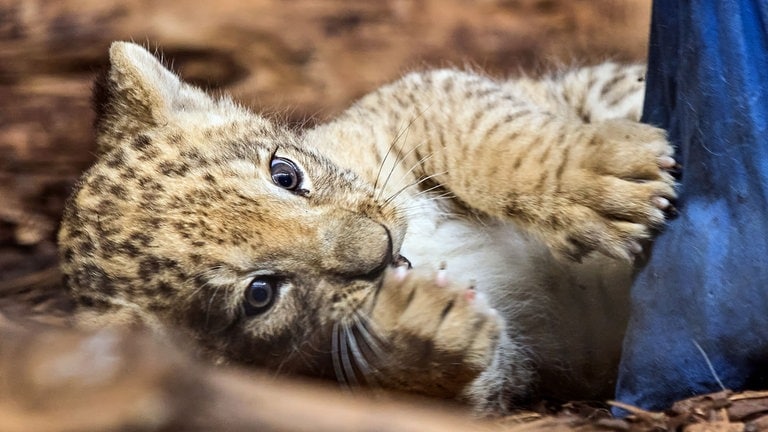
x,y
59,380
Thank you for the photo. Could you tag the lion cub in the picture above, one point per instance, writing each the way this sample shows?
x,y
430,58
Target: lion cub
x,y
429,239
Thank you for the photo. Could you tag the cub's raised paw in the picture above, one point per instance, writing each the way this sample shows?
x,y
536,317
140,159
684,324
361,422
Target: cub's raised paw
x,y
436,336
619,193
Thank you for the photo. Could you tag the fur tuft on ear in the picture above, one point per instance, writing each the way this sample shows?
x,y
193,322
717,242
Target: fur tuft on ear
x,y
134,94
138,93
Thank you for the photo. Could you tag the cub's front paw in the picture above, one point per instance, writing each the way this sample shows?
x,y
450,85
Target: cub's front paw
x,y
438,337
620,193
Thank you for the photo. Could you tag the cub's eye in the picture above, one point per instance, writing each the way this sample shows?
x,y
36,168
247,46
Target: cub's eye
x,y
285,173
260,295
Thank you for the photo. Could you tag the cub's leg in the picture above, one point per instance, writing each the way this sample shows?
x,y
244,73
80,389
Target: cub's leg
x,y
581,186
590,94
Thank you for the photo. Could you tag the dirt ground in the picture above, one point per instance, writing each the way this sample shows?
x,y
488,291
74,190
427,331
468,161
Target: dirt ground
x,y
301,60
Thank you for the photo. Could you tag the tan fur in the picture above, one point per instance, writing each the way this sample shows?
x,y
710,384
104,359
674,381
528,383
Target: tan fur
x,y
181,213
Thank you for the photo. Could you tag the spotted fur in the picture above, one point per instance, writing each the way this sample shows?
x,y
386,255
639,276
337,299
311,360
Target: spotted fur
x,y
505,183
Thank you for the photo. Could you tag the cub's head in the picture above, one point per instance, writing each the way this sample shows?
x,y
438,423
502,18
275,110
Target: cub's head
x,y
203,217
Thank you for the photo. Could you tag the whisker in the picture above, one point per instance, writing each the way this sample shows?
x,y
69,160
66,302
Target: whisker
x,y
335,356
370,336
394,142
419,203
410,170
397,138
204,275
397,160
198,276
428,190
446,215
210,303
357,355
305,359
345,362
416,183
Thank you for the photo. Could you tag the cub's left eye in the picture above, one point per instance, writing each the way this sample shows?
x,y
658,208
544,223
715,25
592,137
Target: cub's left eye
x,y
260,295
285,173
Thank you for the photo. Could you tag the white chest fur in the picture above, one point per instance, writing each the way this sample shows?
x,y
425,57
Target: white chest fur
x,y
571,316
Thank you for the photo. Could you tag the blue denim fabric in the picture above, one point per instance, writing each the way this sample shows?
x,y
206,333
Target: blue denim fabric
x,y
706,283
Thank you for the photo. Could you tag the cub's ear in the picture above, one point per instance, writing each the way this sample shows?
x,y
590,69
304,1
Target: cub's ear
x,y
138,93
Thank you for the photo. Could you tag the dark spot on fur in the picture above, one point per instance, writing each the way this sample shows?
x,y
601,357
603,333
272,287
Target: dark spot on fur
x,y
98,182
149,268
515,210
130,249
67,254
93,303
176,139
85,248
116,158
208,177
106,207
91,275
141,143
149,154
150,184
155,222
168,264
173,168
194,157
118,191
165,288
108,248
150,197
127,174
141,238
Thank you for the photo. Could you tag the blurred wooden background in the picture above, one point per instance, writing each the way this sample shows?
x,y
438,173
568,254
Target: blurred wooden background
x,y
296,59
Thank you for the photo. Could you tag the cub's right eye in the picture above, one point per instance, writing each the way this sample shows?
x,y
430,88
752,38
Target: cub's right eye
x,y
285,173
260,295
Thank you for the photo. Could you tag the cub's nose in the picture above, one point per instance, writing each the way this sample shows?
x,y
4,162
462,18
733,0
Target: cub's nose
x,y
356,246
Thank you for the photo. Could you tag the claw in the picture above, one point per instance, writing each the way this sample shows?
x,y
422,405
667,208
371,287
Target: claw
x,y
470,294
441,278
400,273
676,171
401,261
671,212
661,202
667,162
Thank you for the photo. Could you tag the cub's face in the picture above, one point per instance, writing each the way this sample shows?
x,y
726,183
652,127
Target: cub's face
x,y
203,217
